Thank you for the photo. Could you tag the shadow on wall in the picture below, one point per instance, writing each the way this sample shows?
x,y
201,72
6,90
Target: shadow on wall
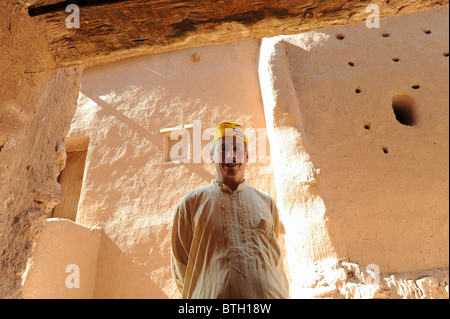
x,y
118,276
73,261
154,139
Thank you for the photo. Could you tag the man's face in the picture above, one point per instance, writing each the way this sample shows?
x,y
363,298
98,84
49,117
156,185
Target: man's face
x,y
229,158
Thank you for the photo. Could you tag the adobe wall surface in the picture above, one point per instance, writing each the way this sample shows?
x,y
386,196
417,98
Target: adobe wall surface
x,y
128,190
64,262
354,182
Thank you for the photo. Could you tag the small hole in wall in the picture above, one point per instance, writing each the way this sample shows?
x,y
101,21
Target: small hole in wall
x,y
195,58
385,150
340,36
357,90
404,108
367,126
385,35
427,31
351,64
415,86
395,59
445,54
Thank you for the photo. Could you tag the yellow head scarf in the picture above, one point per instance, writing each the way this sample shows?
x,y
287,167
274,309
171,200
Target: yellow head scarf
x,y
228,128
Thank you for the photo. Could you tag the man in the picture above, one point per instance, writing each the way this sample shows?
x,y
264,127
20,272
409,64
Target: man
x,y
224,236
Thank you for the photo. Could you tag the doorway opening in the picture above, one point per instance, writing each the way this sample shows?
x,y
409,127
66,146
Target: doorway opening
x,y
71,178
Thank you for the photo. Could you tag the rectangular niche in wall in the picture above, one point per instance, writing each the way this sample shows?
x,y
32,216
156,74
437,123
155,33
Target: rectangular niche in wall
x,y
71,178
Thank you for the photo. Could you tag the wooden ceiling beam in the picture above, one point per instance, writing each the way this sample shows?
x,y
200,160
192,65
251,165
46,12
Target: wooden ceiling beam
x,y
113,29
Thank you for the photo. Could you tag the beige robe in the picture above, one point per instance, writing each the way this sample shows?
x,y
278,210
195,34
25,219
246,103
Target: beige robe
x,y
224,244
